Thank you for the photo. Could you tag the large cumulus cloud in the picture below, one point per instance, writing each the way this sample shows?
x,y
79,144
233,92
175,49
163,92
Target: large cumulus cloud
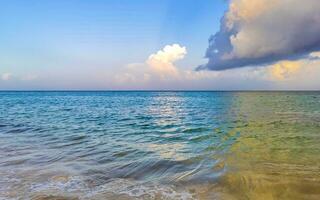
x,y
162,62
264,31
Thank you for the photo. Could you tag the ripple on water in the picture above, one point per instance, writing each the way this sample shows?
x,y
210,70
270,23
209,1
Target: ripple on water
x,y
158,145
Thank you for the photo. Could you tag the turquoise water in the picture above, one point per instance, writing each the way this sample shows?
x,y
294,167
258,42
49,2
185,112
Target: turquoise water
x,y
160,145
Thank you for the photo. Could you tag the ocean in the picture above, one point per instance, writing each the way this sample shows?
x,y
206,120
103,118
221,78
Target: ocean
x,y
159,145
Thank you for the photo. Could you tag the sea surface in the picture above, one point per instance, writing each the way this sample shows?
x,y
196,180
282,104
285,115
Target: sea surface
x,y
159,145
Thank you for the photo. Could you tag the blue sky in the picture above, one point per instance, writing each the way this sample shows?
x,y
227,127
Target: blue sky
x,y
80,44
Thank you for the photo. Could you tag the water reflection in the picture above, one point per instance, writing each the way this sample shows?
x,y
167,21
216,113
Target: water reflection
x,y
277,156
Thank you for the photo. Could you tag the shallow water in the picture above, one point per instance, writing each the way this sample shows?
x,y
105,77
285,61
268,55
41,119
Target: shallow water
x,y
159,145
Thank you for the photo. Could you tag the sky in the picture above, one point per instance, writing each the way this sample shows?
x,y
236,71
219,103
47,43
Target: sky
x,y
159,45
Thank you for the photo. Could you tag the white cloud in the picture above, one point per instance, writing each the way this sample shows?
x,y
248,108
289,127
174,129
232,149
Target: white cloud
x,y
160,72
160,67
285,69
300,74
315,55
6,76
162,62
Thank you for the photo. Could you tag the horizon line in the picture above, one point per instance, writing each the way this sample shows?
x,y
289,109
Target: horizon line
x,y
155,90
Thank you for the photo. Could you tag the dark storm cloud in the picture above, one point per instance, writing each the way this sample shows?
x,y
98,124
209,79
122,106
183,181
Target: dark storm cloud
x,y
264,31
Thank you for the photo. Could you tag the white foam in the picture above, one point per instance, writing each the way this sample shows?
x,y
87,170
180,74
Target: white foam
x,y
141,190
72,184
116,187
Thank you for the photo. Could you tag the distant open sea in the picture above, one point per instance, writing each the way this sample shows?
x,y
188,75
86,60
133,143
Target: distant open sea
x,y
160,145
